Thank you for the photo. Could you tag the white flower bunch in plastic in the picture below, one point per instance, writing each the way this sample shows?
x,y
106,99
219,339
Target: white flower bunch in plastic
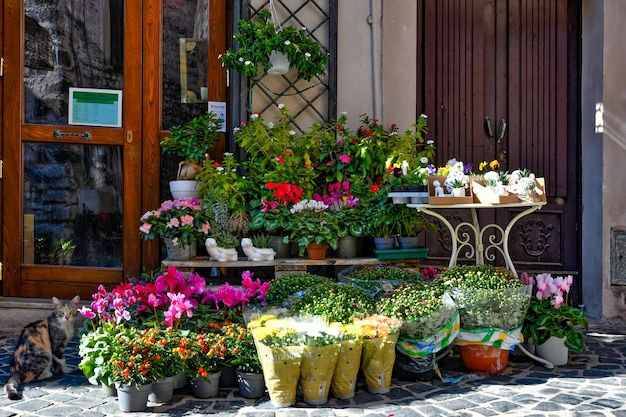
x,y
308,205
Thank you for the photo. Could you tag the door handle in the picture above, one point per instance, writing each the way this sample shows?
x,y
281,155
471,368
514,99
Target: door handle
x,y
502,130
489,128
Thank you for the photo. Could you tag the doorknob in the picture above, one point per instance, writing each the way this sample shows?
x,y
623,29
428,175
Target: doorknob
x,y
489,129
502,130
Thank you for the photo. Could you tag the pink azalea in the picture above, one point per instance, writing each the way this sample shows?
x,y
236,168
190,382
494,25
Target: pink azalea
x,y
345,158
186,220
145,228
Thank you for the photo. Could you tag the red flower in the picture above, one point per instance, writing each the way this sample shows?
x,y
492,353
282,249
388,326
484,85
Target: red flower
x,y
374,188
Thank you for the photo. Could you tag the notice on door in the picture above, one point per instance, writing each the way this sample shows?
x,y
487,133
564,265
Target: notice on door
x,y
95,107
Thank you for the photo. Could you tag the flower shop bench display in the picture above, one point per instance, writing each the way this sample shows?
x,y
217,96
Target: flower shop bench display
x,y
285,265
475,247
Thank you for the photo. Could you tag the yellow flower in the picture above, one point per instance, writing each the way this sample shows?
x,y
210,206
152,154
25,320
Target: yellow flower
x,y
494,165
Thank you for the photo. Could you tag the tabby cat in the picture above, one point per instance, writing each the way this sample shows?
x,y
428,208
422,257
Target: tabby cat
x,y
41,346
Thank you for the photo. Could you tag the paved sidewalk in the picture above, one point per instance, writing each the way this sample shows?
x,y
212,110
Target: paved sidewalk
x,y
592,384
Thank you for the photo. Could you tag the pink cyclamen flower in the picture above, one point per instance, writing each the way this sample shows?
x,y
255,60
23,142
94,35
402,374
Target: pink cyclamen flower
x,y
87,312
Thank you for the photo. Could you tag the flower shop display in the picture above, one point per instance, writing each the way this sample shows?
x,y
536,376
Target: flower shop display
x,y
192,142
284,287
319,360
380,335
243,357
180,222
430,322
344,379
258,38
312,223
335,303
492,303
220,253
377,281
280,350
550,318
254,253
348,213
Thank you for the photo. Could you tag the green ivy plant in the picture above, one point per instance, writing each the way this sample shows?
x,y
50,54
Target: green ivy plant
x,y
258,37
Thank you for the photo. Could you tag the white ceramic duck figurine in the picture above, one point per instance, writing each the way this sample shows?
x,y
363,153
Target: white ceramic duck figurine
x,y
256,254
220,254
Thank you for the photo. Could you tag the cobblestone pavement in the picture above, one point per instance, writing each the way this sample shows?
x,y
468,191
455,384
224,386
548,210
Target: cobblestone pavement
x,y
592,384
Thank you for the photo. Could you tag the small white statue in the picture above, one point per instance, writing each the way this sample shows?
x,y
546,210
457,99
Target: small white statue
x,y
220,254
438,189
256,254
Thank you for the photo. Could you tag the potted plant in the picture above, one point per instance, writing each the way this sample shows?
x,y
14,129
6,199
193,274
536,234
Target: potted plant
x,y
550,318
408,224
283,287
258,247
380,218
181,223
313,226
192,142
492,303
67,247
258,38
345,207
429,324
243,357
336,303
378,280
380,335
203,355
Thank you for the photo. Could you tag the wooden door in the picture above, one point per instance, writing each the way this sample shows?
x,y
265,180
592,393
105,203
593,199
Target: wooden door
x,y
81,174
484,64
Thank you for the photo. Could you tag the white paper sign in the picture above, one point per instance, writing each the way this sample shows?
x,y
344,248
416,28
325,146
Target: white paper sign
x,y
219,108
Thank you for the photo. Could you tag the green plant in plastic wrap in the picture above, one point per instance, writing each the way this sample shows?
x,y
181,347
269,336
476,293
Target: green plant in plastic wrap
x,y
377,281
335,302
486,296
282,288
420,307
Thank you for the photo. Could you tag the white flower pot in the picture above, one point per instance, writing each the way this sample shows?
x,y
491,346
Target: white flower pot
x,y
280,63
184,188
554,351
458,192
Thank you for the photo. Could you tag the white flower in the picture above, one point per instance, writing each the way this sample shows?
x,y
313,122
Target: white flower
x,y
287,42
236,130
345,113
424,116
240,59
228,154
281,106
430,142
393,133
254,116
423,160
307,54
220,169
292,132
491,176
527,184
270,125
248,63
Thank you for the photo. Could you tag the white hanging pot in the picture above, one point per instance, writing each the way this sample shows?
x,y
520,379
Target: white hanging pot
x,y
280,63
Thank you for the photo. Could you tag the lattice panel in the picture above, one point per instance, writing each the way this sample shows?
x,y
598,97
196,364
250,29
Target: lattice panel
x,y
307,101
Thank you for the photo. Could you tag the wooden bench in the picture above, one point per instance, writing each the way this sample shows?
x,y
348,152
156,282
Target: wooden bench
x,y
286,265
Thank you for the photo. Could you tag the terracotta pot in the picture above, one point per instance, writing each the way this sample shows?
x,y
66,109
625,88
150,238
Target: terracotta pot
x,y
315,251
484,358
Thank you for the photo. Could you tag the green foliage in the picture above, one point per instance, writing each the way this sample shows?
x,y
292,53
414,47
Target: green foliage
x,y
287,285
193,140
225,240
258,37
310,222
223,182
336,303
261,240
543,320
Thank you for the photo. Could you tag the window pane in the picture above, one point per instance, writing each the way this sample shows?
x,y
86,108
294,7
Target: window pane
x,y
72,193
69,43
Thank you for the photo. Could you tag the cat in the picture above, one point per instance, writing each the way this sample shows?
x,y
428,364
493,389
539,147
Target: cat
x,y
41,346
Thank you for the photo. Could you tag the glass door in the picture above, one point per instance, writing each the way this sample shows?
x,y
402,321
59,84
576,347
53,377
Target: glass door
x,y
74,153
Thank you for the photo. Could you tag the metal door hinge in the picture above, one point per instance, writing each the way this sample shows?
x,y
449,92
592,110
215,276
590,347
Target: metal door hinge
x,y
1,167
1,66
